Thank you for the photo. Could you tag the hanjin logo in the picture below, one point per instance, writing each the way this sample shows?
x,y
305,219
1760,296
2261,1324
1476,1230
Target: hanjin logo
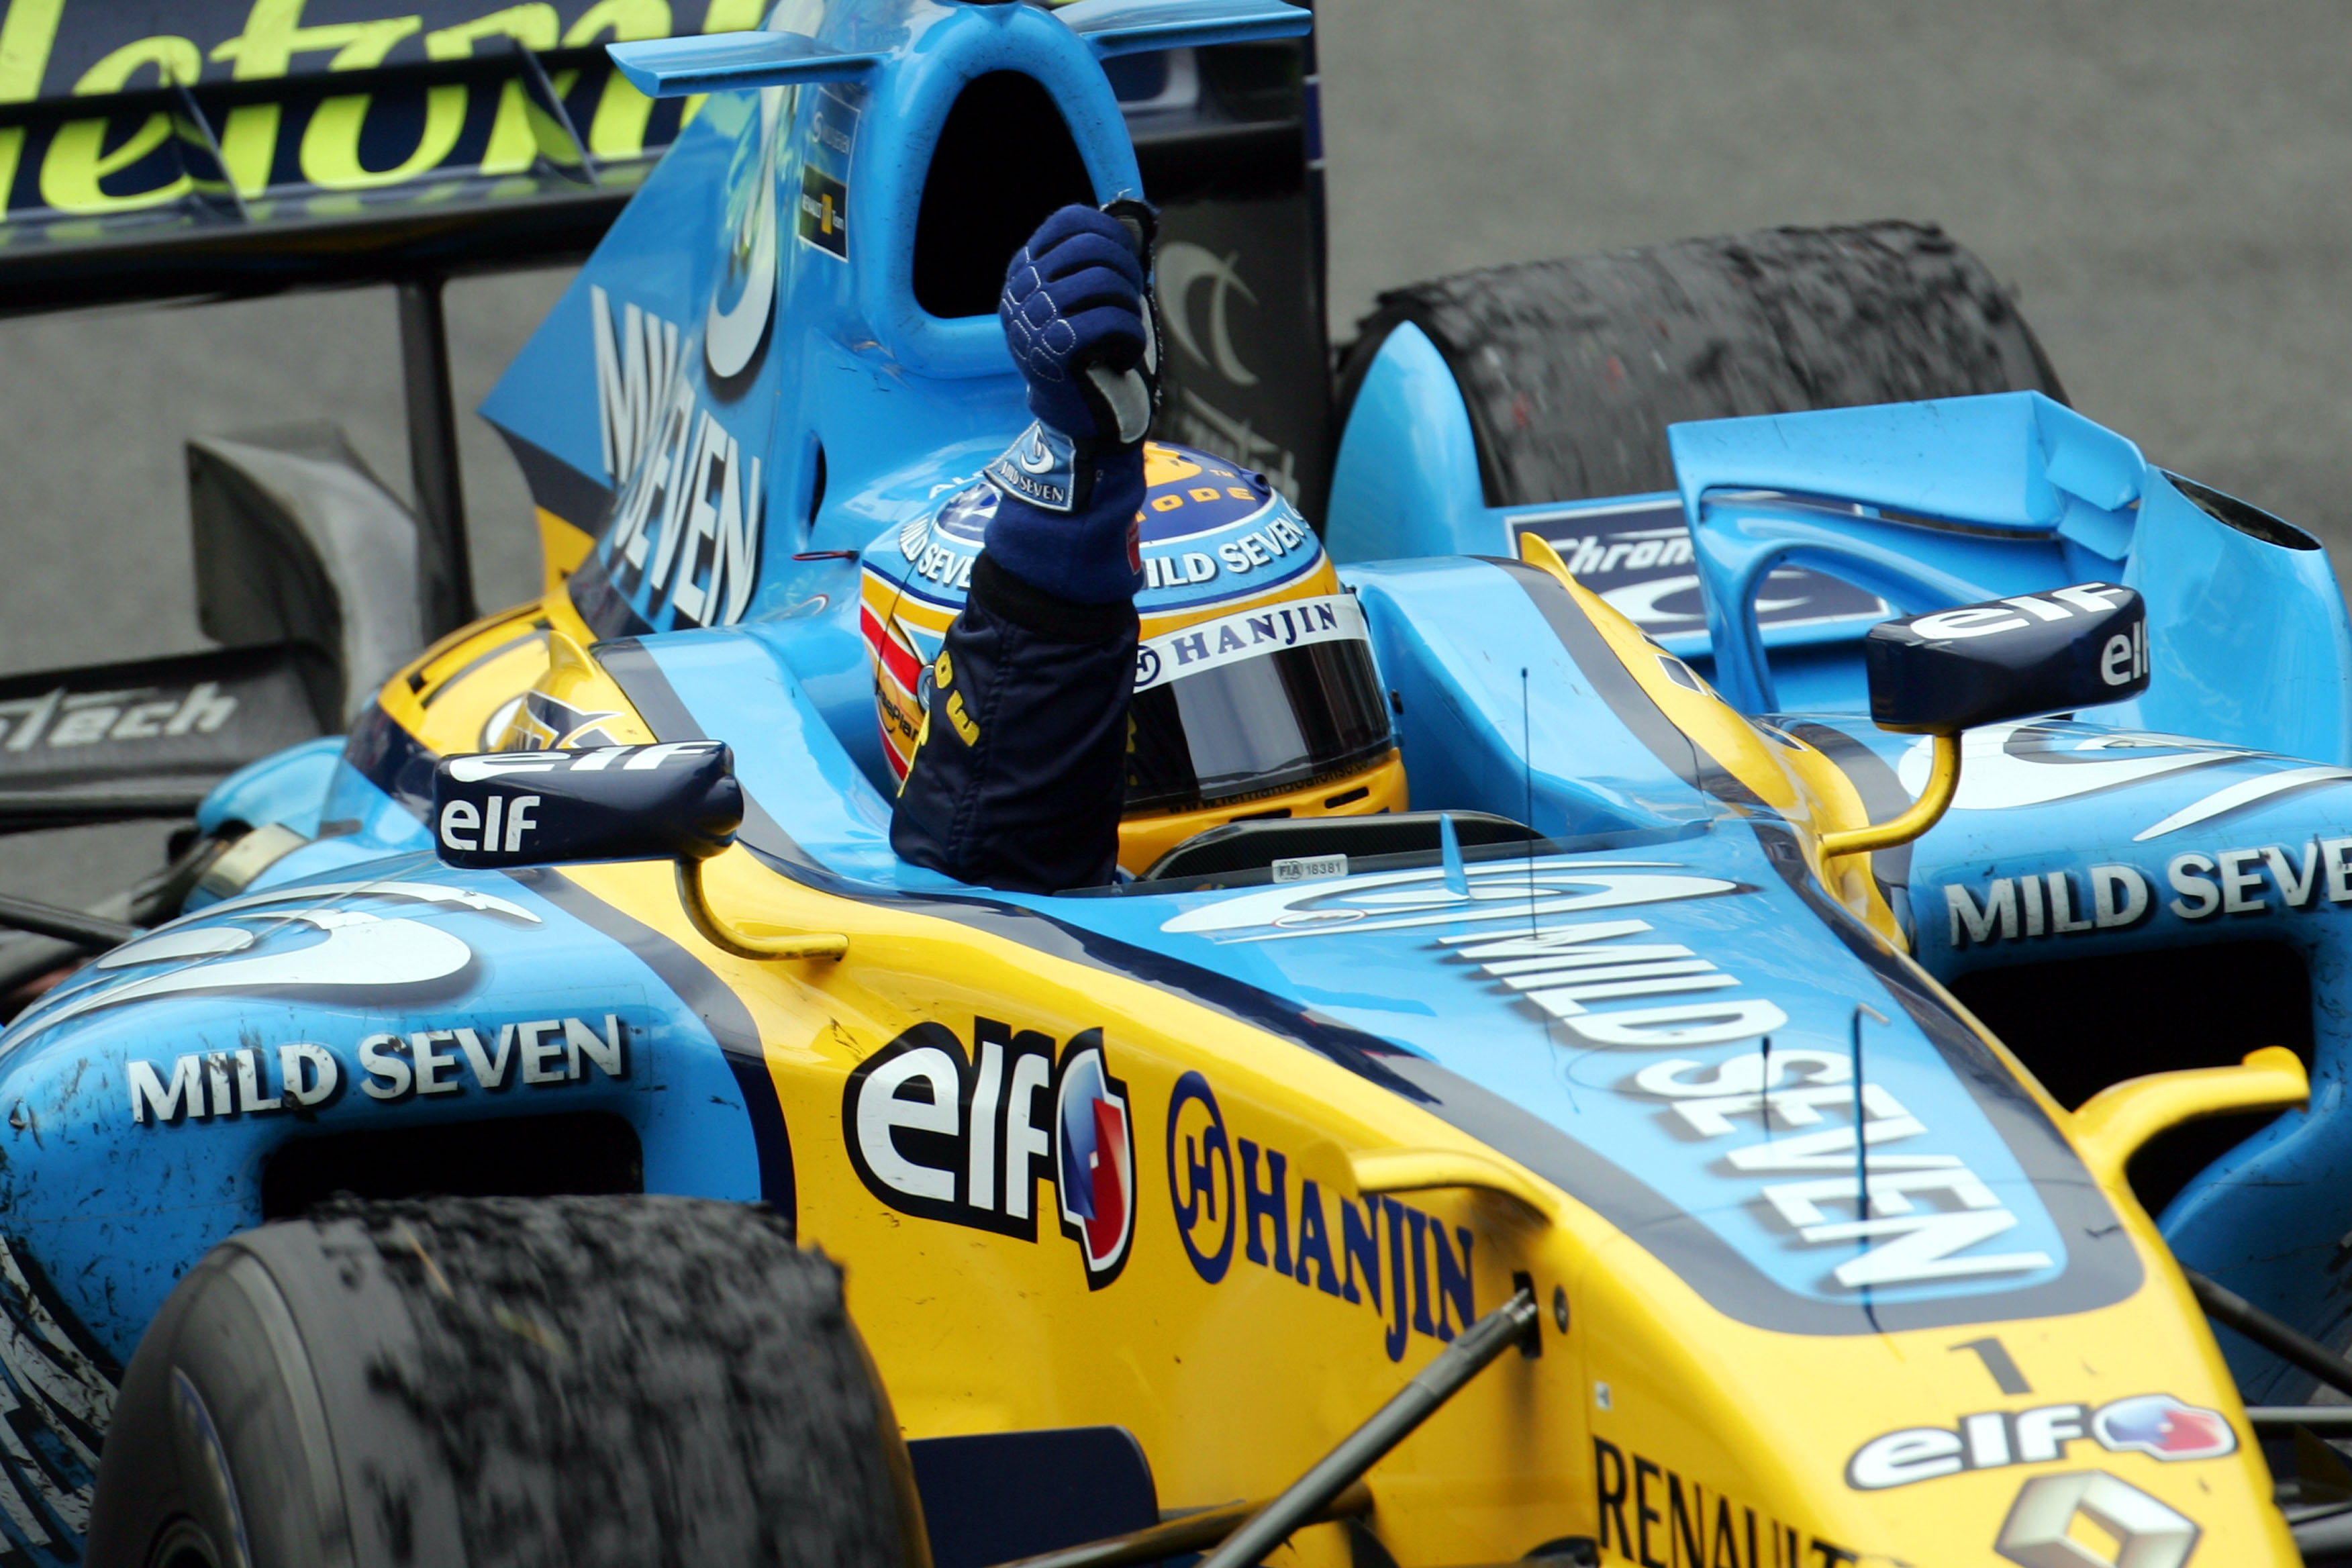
x,y
1249,634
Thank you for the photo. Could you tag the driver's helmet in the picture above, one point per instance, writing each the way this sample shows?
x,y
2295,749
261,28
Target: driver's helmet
x,y
1255,693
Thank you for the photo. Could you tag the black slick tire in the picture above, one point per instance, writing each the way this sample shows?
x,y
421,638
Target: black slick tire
x,y
1572,368
497,1382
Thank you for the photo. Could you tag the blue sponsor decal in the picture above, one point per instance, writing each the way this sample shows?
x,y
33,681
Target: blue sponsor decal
x,y
1041,467
1231,1194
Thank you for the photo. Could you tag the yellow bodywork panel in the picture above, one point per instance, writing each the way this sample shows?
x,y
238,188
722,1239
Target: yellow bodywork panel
x,y
1793,778
1305,1240
563,548
1652,1423
449,695
468,692
1143,838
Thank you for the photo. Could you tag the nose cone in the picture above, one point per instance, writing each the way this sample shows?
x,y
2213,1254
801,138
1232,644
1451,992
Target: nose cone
x,y
1842,1289
157,1088
412,936
2104,1439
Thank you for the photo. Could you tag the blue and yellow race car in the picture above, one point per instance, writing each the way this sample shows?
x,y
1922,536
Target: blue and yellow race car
x,y
1642,1019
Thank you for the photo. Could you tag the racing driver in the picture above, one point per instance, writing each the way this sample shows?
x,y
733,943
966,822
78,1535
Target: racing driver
x,y
1046,711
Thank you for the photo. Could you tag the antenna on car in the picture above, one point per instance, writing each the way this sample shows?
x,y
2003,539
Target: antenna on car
x,y
1527,770
1861,1148
1861,1159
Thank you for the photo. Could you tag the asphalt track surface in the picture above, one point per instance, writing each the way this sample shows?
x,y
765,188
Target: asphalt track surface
x,y
2161,182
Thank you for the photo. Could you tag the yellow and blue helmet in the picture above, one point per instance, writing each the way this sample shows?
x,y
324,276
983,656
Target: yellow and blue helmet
x,y
1255,692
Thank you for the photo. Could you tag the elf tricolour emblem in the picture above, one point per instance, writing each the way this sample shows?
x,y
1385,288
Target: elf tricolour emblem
x,y
1098,1158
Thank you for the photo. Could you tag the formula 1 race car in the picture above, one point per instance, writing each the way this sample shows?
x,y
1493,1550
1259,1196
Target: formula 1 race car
x,y
1641,1020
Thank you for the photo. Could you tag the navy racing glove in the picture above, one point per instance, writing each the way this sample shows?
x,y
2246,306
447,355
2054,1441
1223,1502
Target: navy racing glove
x,y
1076,319
1077,311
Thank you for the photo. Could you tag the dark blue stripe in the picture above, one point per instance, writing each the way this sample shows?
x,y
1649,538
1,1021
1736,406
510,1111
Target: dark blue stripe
x,y
778,1185
712,1001
393,759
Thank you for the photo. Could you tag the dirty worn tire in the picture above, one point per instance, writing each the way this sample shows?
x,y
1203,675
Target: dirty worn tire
x,y
1573,369
561,1381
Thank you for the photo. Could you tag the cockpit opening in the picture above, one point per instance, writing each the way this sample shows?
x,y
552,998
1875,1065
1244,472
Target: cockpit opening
x,y
1005,159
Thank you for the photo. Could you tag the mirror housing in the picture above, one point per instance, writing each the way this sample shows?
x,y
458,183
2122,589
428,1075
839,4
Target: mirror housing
x,y
502,810
2116,1122
1950,670
677,801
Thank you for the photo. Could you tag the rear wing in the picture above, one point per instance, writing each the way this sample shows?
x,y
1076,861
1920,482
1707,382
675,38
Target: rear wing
x,y
238,150
171,149
159,150
156,150
246,187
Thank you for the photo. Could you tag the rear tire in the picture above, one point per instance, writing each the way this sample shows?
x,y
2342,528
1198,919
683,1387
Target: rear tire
x,y
506,1382
1573,369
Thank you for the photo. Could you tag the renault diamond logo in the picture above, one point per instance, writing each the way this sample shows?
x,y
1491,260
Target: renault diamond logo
x,y
2091,1519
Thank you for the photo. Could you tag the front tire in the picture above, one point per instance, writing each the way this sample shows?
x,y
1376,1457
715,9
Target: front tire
x,y
508,1382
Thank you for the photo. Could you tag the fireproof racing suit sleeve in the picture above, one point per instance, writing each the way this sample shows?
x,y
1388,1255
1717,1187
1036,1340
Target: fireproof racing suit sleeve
x,y
1019,773
1017,777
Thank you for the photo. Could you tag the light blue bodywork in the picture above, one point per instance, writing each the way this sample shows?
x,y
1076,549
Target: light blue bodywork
x,y
674,353
1935,504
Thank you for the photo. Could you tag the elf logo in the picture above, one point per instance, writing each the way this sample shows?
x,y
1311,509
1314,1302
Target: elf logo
x,y
1998,617
2155,1424
964,1137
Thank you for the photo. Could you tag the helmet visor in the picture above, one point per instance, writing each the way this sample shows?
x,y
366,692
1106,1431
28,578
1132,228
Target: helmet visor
x,y
1264,701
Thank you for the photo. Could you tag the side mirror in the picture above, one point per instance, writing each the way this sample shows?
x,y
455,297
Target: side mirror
x,y
1950,670
677,801
497,810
